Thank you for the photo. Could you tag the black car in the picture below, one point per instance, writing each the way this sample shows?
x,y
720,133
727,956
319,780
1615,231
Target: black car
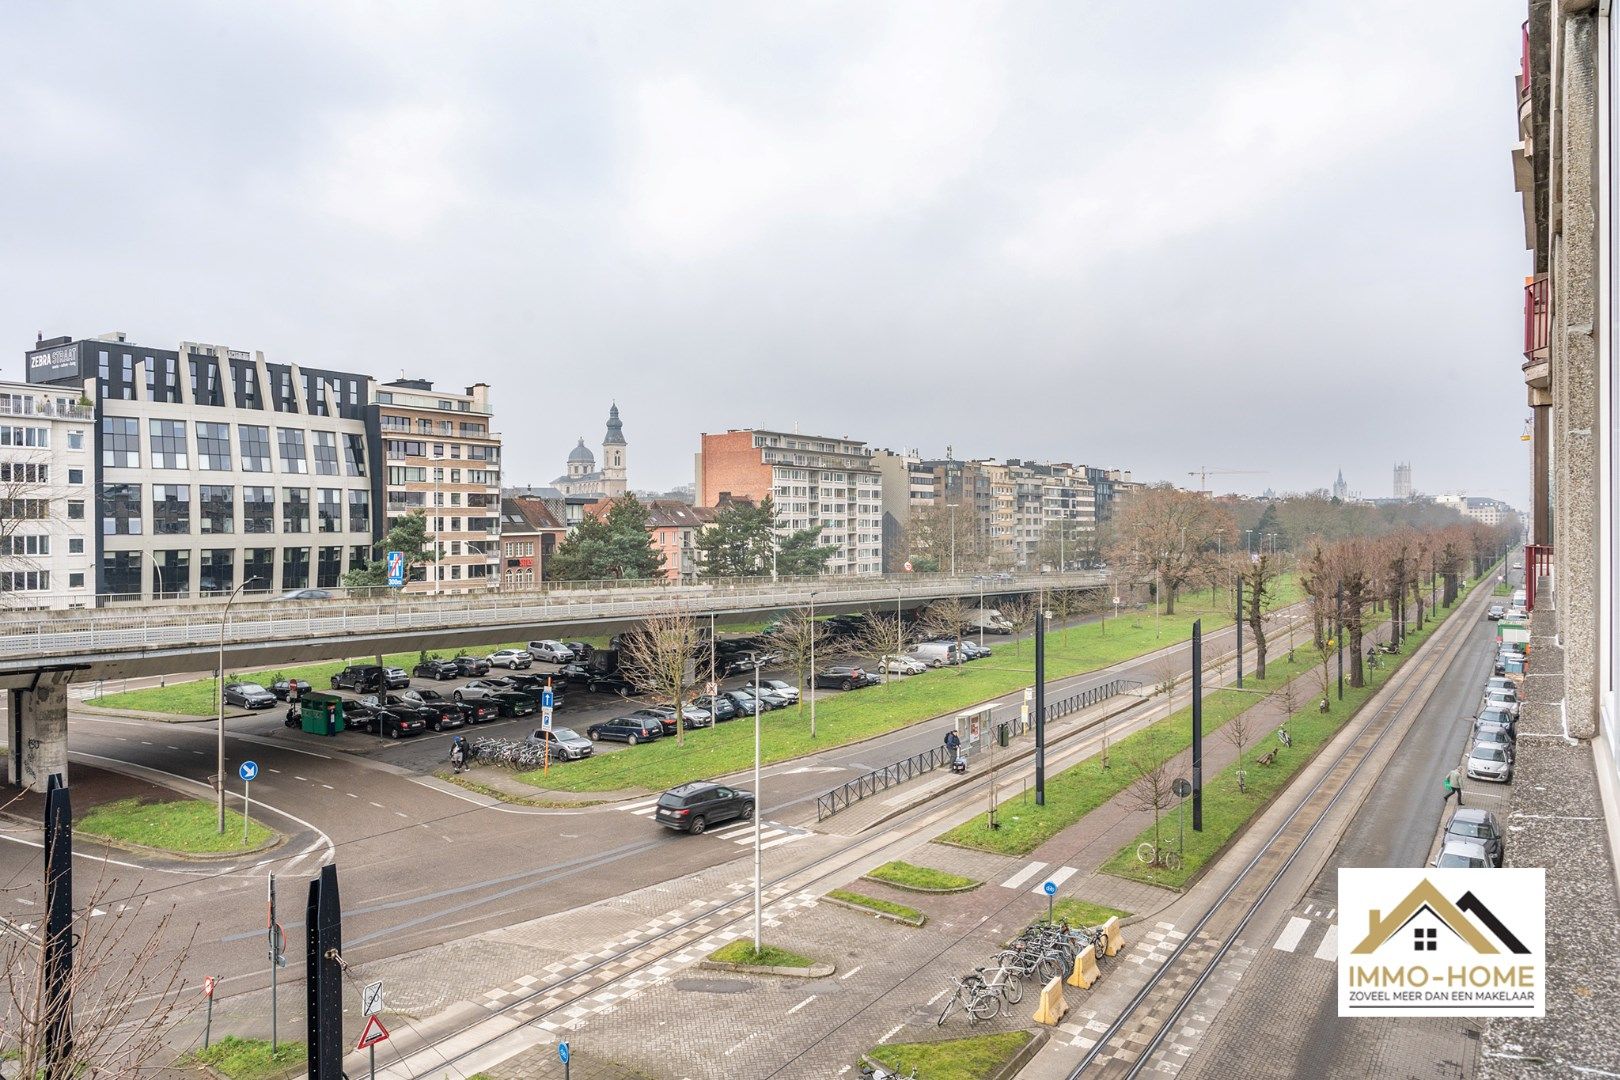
x,y
281,688
664,719
359,716
395,678
436,669
490,692
693,807
743,702
582,651
435,717
473,712
610,683
248,695
573,675
471,666
840,677
534,685
361,678
720,707
623,729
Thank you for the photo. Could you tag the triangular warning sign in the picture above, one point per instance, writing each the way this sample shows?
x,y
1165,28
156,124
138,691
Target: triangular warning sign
x,y
374,1034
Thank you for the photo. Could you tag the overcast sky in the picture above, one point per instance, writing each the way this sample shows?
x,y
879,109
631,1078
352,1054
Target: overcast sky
x,y
1261,236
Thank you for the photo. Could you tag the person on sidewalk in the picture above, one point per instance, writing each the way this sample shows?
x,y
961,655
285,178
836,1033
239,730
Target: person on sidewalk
x,y
953,747
1453,785
458,753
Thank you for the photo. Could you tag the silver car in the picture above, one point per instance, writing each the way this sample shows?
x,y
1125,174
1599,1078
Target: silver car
x,y
1501,699
1463,853
1490,762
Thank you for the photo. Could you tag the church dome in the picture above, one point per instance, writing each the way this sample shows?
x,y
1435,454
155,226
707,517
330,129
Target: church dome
x,y
581,453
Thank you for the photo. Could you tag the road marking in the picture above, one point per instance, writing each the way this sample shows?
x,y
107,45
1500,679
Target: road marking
x,y
1329,948
801,1004
401,813
328,787
379,805
1332,911
851,971
783,840
351,794
305,779
172,747
1288,940
277,771
896,1029
1058,877
1018,879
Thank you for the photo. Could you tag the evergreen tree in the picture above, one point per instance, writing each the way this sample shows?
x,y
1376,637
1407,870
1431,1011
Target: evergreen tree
x,y
407,534
738,544
801,553
616,545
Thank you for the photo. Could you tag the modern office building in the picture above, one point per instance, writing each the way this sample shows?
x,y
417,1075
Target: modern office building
x,y
214,468
1403,480
814,481
443,459
47,470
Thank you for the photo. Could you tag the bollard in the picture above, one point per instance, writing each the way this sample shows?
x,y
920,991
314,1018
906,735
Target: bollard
x,y
1052,1006
1086,971
1115,935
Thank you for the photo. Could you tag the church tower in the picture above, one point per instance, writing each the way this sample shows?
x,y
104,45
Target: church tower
x,y
615,455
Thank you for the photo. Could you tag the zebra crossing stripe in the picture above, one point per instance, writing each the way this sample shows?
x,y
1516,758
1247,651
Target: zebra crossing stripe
x,y
1059,876
1329,948
647,806
1018,879
1288,940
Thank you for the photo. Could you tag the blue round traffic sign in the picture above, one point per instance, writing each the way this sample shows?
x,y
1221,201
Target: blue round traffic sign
x,y
249,770
1050,888
562,1052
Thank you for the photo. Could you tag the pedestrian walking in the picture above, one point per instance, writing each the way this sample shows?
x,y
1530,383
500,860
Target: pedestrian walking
x,y
458,753
1453,785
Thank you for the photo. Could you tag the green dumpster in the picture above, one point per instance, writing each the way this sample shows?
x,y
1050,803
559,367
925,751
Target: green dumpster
x,y
321,714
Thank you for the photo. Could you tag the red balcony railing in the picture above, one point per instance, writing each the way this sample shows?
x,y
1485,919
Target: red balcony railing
x,y
1524,61
1535,317
1538,563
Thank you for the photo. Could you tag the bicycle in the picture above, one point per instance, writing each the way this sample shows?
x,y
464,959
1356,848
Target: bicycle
x,y
1284,738
869,1072
1166,857
1004,983
973,998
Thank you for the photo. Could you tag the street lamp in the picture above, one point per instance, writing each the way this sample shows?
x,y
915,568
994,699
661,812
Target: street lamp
x,y
1041,618
224,621
952,508
812,687
438,523
758,904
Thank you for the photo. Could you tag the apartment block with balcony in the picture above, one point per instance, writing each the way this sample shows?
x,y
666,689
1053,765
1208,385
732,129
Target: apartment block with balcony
x,y
47,475
443,458
815,481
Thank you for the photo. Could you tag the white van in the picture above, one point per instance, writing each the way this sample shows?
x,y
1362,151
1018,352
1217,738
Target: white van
x,y
936,653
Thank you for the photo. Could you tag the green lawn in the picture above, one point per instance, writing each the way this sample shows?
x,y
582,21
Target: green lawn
x,y
186,825
250,1059
973,1058
742,951
861,714
874,903
1077,912
1227,810
906,876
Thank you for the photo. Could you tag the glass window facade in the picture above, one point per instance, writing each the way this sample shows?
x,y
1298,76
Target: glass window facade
x,y
290,442
359,511
169,444
171,573
259,569
120,442
329,568
326,455
121,575
171,509
295,510
258,510
214,447
217,571
329,510
121,510
216,506
294,568
354,455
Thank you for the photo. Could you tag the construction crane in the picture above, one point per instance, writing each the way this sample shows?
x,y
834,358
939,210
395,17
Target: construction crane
x,y
1204,472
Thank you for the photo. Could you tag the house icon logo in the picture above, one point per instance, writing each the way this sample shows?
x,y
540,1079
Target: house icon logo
x,y
1452,942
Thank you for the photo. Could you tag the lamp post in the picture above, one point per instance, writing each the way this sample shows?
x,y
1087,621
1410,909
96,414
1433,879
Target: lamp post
x,y
812,686
758,904
1041,615
157,568
438,522
224,621
952,508
981,612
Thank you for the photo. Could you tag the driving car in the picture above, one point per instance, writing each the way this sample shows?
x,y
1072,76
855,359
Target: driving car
x,y
552,652
248,695
513,659
436,669
511,702
395,678
904,665
281,688
720,707
1490,763
625,730
470,666
1479,827
473,712
1463,854
693,807
565,744
306,594
1496,612
781,688
361,678
434,717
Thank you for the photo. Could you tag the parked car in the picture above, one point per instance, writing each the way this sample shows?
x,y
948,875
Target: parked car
x,y
248,695
1506,700
395,678
720,707
610,682
1497,718
359,716
1494,735
509,701
581,650
936,653
1479,827
573,674
1496,612
1490,763
1501,682
565,743
306,594
693,807
534,685
283,688
904,665
436,718
781,688
625,730
1462,854
361,678
839,677
472,712
693,717
470,666
436,669
743,699
513,659
552,652
665,721
974,651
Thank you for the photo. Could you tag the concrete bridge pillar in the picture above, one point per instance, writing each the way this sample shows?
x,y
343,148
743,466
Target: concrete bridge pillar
x,y
36,736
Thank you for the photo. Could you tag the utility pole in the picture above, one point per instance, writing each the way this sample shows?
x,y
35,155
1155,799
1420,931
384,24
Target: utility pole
x,y
1338,635
1198,724
1040,699
1239,632
56,959
952,508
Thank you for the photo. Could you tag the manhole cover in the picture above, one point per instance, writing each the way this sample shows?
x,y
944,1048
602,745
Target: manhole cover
x,y
922,1016
714,986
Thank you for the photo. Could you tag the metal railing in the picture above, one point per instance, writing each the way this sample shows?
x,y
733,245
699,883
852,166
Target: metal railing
x,y
1536,338
1538,563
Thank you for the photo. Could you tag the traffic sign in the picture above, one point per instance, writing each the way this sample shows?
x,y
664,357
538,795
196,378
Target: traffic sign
x,y
371,999
547,698
396,569
545,718
1181,786
208,986
562,1052
248,771
908,566
1117,601
1050,888
709,688
373,1034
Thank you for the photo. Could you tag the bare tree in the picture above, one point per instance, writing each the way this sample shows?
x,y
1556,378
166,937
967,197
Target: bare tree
x,y
1259,575
658,658
1239,731
1170,535
1166,677
1020,615
799,638
946,618
1151,790
880,637
1218,665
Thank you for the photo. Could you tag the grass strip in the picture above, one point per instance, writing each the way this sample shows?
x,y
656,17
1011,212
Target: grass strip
x,y
250,1059
874,903
1077,912
742,951
188,826
907,876
974,1058
1227,811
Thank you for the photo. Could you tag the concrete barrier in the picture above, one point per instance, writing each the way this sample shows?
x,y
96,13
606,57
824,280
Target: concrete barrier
x,y
1052,1007
1085,971
1114,933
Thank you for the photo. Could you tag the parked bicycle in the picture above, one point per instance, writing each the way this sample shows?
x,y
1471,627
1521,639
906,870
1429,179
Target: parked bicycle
x,y
973,997
1164,856
869,1072
1285,738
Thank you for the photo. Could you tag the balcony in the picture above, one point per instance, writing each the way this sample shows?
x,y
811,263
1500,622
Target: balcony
x,y
1523,81
45,408
1537,298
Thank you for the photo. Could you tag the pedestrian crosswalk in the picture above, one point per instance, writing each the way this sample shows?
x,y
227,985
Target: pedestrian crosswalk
x,y
1032,873
1298,933
771,833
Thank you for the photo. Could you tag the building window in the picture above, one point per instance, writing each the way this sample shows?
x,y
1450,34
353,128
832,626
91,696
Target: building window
x,y
23,473
329,510
218,571
171,573
75,476
24,545
171,509
329,568
295,510
121,510
258,510
76,581
246,376
359,511
294,568
359,557
75,508
120,442
75,440
169,444
76,544
205,388
258,569
254,442
326,461
217,509
214,447
24,580
121,575
285,401
290,441
354,455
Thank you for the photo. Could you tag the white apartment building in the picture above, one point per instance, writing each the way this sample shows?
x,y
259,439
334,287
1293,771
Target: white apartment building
x,y
47,453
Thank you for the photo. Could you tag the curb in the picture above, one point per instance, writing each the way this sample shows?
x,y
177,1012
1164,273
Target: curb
x,y
1009,1068
862,909
919,888
187,856
814,971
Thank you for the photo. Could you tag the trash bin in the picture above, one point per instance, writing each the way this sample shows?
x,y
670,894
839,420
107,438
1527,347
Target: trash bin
x,y
321,714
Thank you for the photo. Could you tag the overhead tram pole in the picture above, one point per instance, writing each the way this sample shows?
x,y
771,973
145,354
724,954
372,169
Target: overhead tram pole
x,y
219,698
759,921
